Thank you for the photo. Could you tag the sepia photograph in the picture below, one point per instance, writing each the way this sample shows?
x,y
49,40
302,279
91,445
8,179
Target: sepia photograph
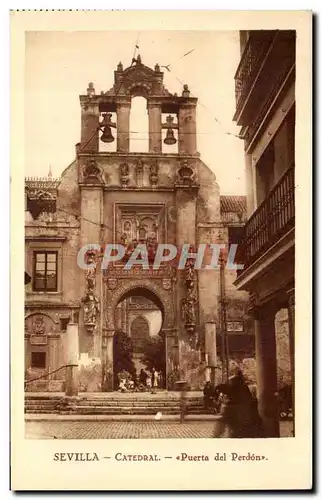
x,y
180,322
162,176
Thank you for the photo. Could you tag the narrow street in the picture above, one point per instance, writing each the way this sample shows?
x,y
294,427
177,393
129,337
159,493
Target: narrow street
x,y
100,429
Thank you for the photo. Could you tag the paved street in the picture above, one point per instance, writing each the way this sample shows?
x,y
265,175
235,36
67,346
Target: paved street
x,y
88,429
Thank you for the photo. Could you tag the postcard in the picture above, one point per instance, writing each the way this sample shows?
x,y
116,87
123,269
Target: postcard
x,y
165,306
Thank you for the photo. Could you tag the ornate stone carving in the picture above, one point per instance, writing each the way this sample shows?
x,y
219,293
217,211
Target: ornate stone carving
x,y
124,174
118,272
38,325
113,297
189,274
91,310
186,174
139,173
91,90
154,173
138,79
189,312
189,302
167,283
252,303
112,283
91,302
92,172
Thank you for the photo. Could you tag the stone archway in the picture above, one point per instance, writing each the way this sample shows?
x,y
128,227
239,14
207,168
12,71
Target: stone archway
x,y
151,290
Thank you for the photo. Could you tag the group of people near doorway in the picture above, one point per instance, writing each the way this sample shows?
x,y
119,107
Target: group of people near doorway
x,y
149,381
145,382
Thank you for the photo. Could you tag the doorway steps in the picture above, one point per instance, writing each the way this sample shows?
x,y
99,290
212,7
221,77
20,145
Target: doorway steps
x,y
114,404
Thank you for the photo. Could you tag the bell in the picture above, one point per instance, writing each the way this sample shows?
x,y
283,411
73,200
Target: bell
x,y
107,134
170,139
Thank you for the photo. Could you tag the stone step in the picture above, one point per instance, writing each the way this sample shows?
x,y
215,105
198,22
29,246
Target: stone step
x,y
94,402
116,411
116,407
121,400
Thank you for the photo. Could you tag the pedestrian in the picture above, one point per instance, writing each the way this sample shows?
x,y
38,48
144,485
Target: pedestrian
x,y
142,377
239,412
208,393
152,378
156,379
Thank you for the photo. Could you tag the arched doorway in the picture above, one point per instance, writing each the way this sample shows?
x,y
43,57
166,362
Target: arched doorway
x,y
143,298
139,351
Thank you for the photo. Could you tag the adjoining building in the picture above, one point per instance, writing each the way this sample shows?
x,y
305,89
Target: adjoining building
x,y
265,110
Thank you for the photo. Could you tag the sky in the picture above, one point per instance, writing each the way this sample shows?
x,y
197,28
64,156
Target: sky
x,y
59,66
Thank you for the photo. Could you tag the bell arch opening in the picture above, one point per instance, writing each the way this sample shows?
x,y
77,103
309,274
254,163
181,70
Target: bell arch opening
x,y
139,125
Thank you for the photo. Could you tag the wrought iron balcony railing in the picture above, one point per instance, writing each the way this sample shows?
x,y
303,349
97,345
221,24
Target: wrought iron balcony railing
x,y
252,58
272,220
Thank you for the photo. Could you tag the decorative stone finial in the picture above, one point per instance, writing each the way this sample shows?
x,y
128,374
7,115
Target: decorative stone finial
x,y
90,89
186,91
157,68
50,175
120,66
138,59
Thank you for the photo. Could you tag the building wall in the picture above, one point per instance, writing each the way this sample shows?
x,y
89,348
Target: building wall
x,y
93,195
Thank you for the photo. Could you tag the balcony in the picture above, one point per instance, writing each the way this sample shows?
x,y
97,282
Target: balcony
x,y
267,58
272,220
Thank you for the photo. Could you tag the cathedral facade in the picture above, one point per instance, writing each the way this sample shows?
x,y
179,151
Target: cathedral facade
x,y
131,198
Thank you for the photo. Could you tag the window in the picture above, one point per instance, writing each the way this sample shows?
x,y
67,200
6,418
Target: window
x,y
45,271
38,360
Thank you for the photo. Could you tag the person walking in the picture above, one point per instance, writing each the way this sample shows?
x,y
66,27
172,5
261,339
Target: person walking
x,y
156,379
239,412
142,377
152,378
208,394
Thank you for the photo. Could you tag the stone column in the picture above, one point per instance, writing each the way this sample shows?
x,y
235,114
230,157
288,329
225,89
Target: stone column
x,y
107,360
72,359
53,345
211,349
291,327
266,365
90,124
124,326
172,353
250,188
187,129
123,108
155,131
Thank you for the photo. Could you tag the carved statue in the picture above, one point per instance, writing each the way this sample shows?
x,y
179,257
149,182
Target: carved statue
x,y
39,325
90,279
188,311
91,309
139,173
152,246
154,168
92,172
124,174
186,174
189,273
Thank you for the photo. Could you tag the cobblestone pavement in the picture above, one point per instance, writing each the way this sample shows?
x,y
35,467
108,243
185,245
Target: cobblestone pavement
x,y
124,430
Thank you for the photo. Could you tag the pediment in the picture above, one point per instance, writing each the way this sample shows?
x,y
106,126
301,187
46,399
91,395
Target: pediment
x,y
140,73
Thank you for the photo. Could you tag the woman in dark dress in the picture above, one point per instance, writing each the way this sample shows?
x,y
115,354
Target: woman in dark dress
x,y
239,412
